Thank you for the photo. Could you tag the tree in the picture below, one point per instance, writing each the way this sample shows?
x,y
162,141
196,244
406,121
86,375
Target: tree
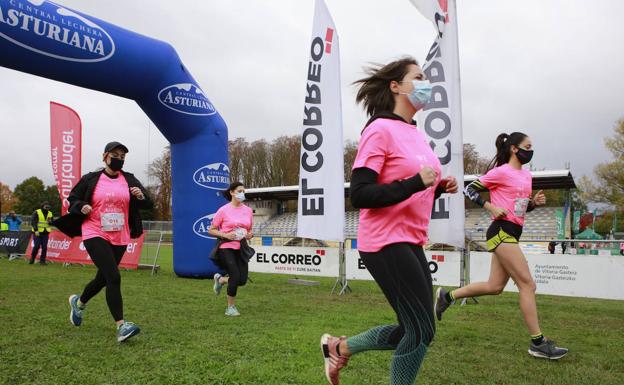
x,y
474,163
609,185
160,169
54,199
350,152
30,194
8,200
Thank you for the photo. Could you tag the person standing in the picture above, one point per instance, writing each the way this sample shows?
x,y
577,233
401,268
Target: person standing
x,y
40,226
510,189
394,182
232,224
13,221
104,209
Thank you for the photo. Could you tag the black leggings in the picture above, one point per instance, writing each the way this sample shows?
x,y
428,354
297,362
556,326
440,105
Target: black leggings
x,y
237,269
402,272
106,258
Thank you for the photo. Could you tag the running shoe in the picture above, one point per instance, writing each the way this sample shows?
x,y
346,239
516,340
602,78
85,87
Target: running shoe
x,y
217,285
75,314
127,330
232,311
441,304
548,350
333,361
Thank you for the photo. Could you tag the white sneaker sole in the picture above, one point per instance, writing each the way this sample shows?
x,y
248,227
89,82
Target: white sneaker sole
x,y
542,355
216,283
123,338
435,304
71,311
325,353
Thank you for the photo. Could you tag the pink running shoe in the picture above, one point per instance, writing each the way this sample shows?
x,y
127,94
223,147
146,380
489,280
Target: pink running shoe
x,y
333,361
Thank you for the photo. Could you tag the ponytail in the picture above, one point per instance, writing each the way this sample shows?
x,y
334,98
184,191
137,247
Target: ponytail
x,y
503,148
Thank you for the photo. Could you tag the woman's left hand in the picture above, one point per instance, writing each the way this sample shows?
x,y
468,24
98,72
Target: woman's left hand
x,y
539,199
249,235
449,184
137,193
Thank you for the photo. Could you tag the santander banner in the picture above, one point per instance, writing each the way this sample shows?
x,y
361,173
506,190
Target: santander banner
x,y
62,248
65,149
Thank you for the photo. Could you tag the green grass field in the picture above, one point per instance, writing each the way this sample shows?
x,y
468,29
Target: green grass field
x,y
186,339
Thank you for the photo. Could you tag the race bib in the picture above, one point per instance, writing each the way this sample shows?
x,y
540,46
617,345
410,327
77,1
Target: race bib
x,y
112,221
240,233
520,207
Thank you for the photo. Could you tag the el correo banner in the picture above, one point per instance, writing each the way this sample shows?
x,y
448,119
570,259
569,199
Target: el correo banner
x,y
312,261
441,117
321,178
443,265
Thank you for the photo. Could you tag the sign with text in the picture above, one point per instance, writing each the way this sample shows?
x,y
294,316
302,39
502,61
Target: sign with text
x,y
314,261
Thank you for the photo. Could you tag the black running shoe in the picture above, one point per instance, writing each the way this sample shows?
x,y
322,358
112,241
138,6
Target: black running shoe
x,y
441,304
548,350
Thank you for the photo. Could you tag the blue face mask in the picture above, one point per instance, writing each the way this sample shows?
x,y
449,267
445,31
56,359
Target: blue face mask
x,y
420,95
240,196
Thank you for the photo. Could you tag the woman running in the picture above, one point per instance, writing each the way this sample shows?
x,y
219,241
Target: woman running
x,y
104,209
232,223
510,193
394,181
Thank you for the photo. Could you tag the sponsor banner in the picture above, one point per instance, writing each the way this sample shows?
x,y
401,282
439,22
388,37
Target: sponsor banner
x,y
590,276
313,261
321,178
62,248
202,225
54,31
560,223
214,176
65,150
441,118
577,222
443,265
186,98
14,242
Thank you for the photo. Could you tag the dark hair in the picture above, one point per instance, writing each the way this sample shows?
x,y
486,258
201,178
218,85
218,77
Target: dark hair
x,y
233,186
503,148
374,92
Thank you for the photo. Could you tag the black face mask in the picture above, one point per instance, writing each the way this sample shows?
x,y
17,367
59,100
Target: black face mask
x,y
116,164
524,156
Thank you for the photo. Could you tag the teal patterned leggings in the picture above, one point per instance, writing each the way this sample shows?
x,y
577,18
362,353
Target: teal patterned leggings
x,y
402,272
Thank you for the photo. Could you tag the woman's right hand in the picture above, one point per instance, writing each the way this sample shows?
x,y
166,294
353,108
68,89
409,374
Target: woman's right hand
x,y
86,209
428,176
497,212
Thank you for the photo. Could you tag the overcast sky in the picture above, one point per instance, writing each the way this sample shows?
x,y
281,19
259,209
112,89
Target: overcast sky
x,y
552,69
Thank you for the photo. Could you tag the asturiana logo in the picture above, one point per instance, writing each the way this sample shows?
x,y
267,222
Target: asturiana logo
x,y
186,98
214,176
201,226
49,29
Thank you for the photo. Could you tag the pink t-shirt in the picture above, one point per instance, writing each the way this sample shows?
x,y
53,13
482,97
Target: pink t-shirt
x,y
108,218
238,219
510,189
396,150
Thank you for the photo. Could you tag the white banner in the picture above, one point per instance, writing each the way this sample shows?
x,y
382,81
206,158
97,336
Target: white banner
x,y
441,118
321,179
590,276
444,267
315,261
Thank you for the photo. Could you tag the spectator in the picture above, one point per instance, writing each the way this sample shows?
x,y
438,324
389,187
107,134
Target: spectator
x,y
13,221
622,248
551,247
564,246
40,223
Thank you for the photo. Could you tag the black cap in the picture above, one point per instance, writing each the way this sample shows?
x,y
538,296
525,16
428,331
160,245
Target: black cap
x,y
113,145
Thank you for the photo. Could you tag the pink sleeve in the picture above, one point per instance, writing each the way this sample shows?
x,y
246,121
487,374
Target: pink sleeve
x,y
491,178
217,221
372,150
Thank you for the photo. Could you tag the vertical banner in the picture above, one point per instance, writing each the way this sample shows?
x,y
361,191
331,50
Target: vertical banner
x,y
560,223
441,118
65,149
321,178
577,222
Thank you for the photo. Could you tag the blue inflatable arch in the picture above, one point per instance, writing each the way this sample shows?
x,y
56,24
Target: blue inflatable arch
x,y
52,41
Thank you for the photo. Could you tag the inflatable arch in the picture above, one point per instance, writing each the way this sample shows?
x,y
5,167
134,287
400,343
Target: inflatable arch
x,y
52,41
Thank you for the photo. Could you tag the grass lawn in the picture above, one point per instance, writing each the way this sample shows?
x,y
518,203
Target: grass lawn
x,y
186,339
